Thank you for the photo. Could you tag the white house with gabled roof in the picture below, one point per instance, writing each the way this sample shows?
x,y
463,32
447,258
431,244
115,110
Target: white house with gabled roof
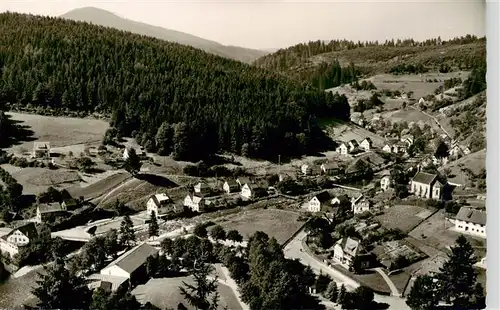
x,y
426,185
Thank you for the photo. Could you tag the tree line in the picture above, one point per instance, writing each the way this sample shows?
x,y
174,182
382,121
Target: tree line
x,y
209,103
295,55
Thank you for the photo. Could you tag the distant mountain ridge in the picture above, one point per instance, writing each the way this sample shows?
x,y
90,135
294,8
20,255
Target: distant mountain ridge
x,y
108,19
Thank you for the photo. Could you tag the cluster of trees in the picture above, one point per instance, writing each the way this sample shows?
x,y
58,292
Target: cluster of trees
x,y
409,69
452,82
476,82
363,105
96,253
210,103
329,75
294,55
10,194
455,283
275,282
364,85
41,249
61,288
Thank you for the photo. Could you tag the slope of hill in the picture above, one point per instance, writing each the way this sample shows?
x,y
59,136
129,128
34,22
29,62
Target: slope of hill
x,y
104,18
171,97
315,61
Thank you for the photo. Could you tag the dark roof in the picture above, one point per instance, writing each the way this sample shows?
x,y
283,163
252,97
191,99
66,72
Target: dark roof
x,y
157,202
50,207
232,183
343,198
134,258
471,215
330,165
424,177
323,196
354,142
70,202
244,180
368,139
353,167
28,229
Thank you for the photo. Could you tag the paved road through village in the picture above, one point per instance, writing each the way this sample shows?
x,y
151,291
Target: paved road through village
x,y
294,249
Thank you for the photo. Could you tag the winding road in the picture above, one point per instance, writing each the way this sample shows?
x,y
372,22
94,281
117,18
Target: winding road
x,y
295,250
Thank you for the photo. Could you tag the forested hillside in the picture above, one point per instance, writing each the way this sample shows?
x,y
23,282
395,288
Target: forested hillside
x,y
200,102
329,64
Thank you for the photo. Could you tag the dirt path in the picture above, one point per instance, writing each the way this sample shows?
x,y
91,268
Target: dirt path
x,y
103,198
234,287
434,119
394,290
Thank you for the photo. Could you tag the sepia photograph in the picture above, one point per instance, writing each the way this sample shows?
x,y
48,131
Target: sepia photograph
x,y
246,155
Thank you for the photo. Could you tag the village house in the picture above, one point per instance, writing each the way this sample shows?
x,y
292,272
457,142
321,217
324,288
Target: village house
x,y
455,151
330,168
342,149
385,182
230,186
243,180
360,204
41,150
131,266
387,148
353,145
196,203
252,191
426,185
366,144
18,237
407,139
202,188
49,212
421,100
466,150
346,250
319,202
159,205
310,169
70,204
471,221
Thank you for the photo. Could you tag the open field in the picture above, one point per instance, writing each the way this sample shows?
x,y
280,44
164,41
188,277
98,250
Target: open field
x,y
403,217
38,180
414,82
279,224
61,131
100,187
475,162
434,232
138,191
165,294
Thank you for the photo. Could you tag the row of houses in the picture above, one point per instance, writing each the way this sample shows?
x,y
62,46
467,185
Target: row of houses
x,y
323,202
199,200
328,168
352,146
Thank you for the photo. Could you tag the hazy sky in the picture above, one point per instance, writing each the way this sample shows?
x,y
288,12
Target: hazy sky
x,y
274,24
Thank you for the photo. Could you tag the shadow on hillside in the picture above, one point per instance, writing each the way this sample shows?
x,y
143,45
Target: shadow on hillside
x,y
13,133
156,180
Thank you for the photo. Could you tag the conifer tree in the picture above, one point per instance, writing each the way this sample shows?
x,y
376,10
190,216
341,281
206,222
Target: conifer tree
x,y
127,234
153,228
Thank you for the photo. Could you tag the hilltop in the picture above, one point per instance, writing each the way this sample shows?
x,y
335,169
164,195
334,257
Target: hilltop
x,y
105,18
170,97
330,64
